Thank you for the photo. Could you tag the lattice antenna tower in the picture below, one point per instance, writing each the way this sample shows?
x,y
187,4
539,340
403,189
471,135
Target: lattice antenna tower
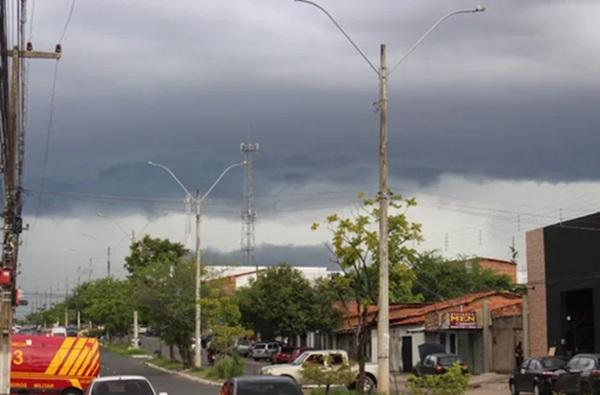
x,y
248,212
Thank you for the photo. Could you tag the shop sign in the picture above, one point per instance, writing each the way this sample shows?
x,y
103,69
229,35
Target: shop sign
x,y
462,320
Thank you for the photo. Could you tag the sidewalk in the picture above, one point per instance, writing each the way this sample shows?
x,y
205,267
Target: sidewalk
x,y
476,381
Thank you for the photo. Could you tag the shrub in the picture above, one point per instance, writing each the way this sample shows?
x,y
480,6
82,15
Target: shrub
x,y
227,367
453,382
317,374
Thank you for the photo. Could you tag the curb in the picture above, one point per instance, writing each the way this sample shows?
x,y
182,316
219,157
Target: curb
x,y
184,375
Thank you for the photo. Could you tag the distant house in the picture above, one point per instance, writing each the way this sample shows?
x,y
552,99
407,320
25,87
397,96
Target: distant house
x,y
498,266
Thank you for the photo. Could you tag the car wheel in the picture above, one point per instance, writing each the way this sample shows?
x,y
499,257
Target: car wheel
x,y
71,391
585,390
513,389
369,385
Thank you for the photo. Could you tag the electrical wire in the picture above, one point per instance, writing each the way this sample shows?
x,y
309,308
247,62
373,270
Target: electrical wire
x,y
51,119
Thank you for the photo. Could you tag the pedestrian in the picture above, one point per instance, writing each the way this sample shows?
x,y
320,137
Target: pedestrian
x,y
519,354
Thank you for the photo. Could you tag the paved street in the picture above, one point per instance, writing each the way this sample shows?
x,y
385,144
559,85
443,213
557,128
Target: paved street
x,y
113,364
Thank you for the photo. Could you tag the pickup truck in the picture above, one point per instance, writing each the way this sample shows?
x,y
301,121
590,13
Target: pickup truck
x,y
328,358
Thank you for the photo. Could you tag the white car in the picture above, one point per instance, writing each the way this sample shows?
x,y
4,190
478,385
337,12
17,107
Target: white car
x,y
119,385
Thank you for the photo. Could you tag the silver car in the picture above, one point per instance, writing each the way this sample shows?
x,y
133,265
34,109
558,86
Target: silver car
x,y
264,350
119,385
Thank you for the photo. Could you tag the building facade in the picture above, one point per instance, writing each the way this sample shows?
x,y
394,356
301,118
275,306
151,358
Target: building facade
x,y
564,287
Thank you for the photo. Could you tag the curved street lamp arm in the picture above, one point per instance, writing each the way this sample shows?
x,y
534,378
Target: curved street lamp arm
x,y
343,32
220,177
432,28
165,168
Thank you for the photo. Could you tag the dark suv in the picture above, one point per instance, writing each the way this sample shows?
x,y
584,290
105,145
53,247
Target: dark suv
x,y
581,375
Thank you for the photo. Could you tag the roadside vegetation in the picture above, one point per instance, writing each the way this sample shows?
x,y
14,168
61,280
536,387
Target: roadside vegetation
x,y
160,285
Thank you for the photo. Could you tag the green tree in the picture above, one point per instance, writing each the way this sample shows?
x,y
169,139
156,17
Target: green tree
x,y
281,302
355,245
438,278
166,289
149,250
106,302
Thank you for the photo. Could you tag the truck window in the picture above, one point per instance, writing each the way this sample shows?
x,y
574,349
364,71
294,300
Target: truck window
x,y
316,358
336,360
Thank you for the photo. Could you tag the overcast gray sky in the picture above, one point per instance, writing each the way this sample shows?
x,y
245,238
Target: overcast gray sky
x,y
496,110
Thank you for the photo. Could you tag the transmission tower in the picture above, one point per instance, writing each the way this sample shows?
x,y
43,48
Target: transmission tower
x,y
248,213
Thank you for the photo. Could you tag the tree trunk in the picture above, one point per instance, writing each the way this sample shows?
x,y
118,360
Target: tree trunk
x,y
363,337
171,352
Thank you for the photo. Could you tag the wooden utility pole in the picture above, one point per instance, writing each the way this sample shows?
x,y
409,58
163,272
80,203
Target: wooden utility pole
x,y
383,327
13,224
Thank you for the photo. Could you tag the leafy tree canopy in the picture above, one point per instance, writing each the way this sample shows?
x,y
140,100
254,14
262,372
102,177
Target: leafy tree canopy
x,y
149,250
438,278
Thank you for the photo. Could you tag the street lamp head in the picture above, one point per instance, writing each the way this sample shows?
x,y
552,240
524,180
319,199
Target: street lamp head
x,y
479,8
151,163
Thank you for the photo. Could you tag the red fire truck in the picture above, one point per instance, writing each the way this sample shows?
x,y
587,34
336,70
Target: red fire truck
x,y
60,365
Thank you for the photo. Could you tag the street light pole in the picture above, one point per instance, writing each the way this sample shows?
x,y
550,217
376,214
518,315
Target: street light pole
x,y
197,199
198,327
383,336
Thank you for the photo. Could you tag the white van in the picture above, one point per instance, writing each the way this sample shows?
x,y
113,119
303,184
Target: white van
x,y
59,331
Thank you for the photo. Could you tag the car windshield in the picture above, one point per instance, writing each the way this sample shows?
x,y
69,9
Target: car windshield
x,y
553,363
448,360
122,387
300,359
260,345
261,388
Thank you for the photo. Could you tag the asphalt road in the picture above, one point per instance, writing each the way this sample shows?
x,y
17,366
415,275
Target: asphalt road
x,y
113,364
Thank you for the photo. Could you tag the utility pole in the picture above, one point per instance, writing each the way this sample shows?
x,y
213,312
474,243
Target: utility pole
x,y
108,261
383,329
12,168
66,297
198,325
248,212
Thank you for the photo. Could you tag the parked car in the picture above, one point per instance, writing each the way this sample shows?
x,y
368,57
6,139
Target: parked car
x,y
288,354
260,385
537,375
283,356
264,350
581,375
438,364
242,347
119,385
330,359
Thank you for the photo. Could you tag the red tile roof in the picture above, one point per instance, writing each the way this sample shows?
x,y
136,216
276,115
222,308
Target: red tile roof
x,y
501,304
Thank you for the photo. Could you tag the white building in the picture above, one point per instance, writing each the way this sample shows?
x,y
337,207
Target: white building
x,y
243,274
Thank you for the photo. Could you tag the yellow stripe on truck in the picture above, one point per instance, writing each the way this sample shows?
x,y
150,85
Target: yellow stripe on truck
x,y
60,355
86,350
88,359
72,356
93,365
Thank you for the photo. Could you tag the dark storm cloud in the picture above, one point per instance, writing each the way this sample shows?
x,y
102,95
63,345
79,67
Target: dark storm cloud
x,y
269,255
500,95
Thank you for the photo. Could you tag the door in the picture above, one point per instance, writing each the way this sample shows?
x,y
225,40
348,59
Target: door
x,y
407,354
568,382
520,376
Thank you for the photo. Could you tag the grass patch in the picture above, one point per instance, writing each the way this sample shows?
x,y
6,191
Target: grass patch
x,y
166,363
124,350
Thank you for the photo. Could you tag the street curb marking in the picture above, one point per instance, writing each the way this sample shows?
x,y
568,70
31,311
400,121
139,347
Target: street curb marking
x,y
184,375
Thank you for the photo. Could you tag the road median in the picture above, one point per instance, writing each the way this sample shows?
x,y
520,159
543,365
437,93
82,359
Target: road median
x,y
173,367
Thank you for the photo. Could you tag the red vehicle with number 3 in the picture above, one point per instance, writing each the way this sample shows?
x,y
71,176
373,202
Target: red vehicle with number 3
x,y
52,364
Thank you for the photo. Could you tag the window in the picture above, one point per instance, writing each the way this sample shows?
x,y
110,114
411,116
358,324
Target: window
x,y
525,364
272,346
336,360
535,365
573,363
586,364
122,387
316,358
